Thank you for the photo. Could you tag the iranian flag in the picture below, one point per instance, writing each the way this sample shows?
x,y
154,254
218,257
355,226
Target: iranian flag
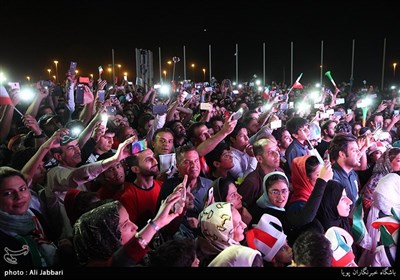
x,y
297,83
4,97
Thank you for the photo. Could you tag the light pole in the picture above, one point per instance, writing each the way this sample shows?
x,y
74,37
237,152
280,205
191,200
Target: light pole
x,y
394,70
204,74
56,62
49,70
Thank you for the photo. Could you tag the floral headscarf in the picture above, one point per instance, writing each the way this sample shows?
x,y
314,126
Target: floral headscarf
x,y
217,224
96,235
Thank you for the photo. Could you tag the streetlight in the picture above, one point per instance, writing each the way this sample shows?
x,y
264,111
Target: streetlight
x,y
165,74
126,76
49,70
56,62
204,74
394,69
193,65
119,69
28,78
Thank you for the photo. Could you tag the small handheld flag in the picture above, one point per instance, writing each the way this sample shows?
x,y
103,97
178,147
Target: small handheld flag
x,y
100,71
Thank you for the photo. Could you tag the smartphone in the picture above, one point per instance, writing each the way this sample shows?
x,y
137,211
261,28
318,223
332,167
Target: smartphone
x,y
72,67
283,106
338,113
282,97
205,106
276,124
80,89
238,114
157,86
183,191
159,109
14,85
139,146
349,111
208,89
84,80
101,95
396,112
235,91
324,115
111,110
104,119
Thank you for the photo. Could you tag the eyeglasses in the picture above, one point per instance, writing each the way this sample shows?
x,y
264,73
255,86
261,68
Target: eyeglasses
x,y
279,192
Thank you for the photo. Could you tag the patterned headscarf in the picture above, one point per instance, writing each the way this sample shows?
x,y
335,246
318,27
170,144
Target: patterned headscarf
x,y
96,235
216,224
235,256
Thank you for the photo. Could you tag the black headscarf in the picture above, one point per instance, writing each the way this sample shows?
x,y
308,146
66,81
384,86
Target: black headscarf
x,y
328,214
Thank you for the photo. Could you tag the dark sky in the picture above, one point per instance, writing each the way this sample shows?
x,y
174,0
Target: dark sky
x,y
86,32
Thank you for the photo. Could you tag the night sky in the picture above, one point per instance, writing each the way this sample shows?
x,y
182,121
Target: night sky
x,y
33,35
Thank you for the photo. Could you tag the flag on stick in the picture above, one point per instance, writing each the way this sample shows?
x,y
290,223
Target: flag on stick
x,y
100,71
296,84
4,97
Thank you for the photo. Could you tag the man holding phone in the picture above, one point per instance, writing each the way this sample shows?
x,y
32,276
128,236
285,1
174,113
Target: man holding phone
x,y
140,196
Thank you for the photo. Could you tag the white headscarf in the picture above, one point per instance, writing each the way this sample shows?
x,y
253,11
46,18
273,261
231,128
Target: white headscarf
x,y
264,201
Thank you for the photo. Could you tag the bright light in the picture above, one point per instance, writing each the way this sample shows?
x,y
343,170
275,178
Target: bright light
x,y
234,83
317,85
240,85
266,107
2,77
165,89
393,87
76,131
27,94
314,95
258,82
260,88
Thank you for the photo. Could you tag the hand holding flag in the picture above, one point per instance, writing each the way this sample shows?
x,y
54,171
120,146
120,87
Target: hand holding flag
x,y
5,99
296,84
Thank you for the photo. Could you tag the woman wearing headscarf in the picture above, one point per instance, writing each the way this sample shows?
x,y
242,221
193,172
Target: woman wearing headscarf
x,y
106,237
221,226
388,162
334,209
224,190
23,238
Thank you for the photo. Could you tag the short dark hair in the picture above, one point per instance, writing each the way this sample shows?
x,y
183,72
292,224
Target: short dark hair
x,y
163,129
312,249
340,143
174,253
325,126
215,155
183,150
294,124
190,132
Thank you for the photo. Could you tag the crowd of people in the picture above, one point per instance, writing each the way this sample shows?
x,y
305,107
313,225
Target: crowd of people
x,y
203,174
